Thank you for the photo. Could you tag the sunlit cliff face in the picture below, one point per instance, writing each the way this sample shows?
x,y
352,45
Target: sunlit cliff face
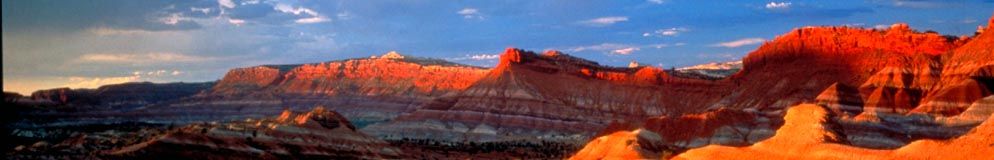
x,y
881,85
390,74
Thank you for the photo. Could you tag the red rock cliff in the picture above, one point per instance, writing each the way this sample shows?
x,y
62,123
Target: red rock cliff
x,y
389,75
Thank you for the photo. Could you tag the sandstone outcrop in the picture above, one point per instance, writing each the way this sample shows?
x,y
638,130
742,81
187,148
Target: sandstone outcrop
x,y
807,134
883,89
528,91
811,59
389,75
366,90
547,96
638,144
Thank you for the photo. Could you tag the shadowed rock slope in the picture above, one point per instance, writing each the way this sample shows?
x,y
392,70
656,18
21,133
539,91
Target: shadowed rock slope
x,y
118,96
316,134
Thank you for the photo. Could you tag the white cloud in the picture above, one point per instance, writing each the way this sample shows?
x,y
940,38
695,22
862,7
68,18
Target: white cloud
x,y
484,56
226,3
478,57
655,1
724,56
665,32
466,11
470,13
312,20
777,5
236,21
625,51
157,73
315,17
920,4
600,47
154,57
881,26
603,21
173,19
740,42
250,2
296,11
658,46
300,14
854,24
202,10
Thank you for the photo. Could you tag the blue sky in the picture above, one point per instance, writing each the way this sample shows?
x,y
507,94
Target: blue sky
x,y
84,44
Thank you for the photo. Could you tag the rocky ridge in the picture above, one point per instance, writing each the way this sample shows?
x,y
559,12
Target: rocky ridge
x,y
876,97
366,90
519,93
543,96
118,96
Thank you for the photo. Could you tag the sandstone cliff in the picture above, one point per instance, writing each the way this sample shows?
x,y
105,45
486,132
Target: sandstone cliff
x,y
807,135
885,89
366,90
550,96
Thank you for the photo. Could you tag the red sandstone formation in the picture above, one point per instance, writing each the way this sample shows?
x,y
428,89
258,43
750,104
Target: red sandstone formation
x,y
798,65
638,144
368,90
844,101
943,85
548,91
975,113
967,73
392,74
551,95
246,79
685,129
806,135
554,96
860,74
545,91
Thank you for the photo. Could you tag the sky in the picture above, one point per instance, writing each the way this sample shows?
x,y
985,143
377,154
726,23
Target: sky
x,y
85,44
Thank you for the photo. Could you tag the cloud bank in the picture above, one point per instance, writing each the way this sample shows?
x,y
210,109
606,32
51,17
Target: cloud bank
x,y
740,42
